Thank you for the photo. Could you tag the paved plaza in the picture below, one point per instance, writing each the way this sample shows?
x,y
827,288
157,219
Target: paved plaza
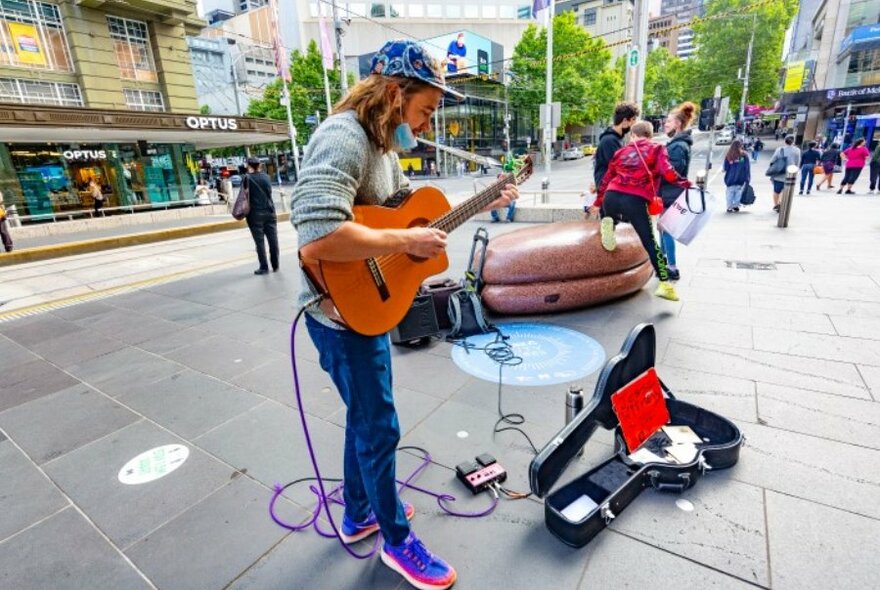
x,y
789,349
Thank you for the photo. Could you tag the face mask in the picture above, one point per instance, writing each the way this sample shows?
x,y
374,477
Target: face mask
x,y
404,138
624,130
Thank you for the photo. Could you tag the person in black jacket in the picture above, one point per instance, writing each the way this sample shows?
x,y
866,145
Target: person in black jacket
x,y
625,116
677,127
261,219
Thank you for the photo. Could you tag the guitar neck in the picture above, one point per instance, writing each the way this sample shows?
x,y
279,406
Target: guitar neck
x,y
464,211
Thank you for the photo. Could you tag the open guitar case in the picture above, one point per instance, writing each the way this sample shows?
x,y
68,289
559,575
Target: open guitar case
x,y
617,481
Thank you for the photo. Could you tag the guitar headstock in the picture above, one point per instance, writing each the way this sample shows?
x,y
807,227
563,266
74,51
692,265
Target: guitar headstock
x,y
521,168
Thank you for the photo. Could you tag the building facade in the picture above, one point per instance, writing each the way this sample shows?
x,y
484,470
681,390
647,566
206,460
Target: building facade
x,y
610,20
683,11
663,32
103,92
832,80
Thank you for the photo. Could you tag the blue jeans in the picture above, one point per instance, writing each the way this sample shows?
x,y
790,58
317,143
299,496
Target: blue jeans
x,y
667,246
807,177
511,209
360,367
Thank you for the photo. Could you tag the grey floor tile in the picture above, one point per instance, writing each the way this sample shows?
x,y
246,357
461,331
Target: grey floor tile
x,y
814,546
168,344
89,476
82,311
857,327
419,371
268,443
30,381
138,328
731,397
281,308
186,313
253,329
56,424
41,558
210,544
832,348
812,468
37,329
13,354
189,403
725,530
610,558
696,313
124,370
768,367
867,290
834,417
26,496
75,347
819,305
223,357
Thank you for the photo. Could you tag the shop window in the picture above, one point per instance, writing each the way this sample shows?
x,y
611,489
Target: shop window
x,y
143,100
32,36
38,92
134,55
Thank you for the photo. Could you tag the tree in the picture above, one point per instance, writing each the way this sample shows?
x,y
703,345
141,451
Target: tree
x,y
722,45
306,92
582,80
664,82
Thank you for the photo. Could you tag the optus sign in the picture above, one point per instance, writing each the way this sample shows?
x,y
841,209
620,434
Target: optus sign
x,y
85,154
214,123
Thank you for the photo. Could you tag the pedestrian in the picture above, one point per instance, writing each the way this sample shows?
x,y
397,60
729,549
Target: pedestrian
x,y
678,148
875,170
854,159
611,140
737,174
261,218
5,236
792,156
97,197
351,160
757,146
809,160
628,187
829,161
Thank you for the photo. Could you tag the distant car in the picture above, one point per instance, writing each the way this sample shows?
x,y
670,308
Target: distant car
x,y
588,150
235,179
572,154
725,137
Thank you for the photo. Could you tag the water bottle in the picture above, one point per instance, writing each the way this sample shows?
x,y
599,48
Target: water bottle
x,y
574,403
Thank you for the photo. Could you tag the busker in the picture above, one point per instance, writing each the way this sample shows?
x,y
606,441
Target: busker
x,y
627,189
351,160
677,126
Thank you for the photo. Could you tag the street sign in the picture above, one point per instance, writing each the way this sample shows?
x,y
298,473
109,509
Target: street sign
x,y
633,57
283,101
721,117
556,114
311,120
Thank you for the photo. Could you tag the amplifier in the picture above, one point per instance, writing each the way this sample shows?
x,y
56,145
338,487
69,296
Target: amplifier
x,y
418,323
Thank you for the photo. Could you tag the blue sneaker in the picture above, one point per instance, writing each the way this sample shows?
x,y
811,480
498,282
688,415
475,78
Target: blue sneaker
x,y
417,565
352,532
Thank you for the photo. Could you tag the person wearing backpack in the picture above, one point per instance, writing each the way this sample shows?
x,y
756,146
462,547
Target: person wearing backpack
x,y
679,150
737,174
791,156
829,160
629,186
854,159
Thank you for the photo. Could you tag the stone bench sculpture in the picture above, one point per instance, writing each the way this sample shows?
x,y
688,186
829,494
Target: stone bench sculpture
x,y
561,266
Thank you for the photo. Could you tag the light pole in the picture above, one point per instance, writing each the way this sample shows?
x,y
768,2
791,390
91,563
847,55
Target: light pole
x,y
742,110
343,73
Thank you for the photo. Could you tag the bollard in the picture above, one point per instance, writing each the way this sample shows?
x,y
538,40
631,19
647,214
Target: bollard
x,y
701,179
545,190
787,197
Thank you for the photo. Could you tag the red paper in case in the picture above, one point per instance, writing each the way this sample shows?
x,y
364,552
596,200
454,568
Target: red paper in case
x,y
640,408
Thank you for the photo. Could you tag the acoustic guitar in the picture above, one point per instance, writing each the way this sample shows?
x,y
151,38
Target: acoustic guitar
x,y
372,296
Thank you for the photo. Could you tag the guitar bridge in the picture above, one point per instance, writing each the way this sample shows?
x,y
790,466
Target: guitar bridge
x,y
378,278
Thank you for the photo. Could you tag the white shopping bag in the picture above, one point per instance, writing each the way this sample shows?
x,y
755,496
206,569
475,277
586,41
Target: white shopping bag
x,y
688,215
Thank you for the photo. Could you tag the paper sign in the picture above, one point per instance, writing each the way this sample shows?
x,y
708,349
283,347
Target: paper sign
x,y
153,464
27,44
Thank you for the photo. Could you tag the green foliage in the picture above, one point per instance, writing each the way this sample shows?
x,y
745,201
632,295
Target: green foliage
x,y
583,83
664,82
204,110
306,92
722,46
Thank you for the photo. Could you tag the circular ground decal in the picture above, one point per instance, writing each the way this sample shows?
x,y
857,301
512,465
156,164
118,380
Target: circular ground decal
x,y
153,464
550,355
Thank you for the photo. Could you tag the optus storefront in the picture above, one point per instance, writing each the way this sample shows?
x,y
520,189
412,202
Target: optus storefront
x,y
138,159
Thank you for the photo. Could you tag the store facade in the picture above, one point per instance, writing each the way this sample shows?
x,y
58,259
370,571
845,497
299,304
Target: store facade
x,y
49,156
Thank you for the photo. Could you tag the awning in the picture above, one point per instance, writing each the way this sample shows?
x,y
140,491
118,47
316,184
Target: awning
x,y
45,124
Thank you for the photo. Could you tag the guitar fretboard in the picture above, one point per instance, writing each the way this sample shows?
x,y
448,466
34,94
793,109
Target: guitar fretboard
x,y
464,211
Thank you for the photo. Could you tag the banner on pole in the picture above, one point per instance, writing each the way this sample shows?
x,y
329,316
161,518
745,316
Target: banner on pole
x,y
538,6
282,65
326,47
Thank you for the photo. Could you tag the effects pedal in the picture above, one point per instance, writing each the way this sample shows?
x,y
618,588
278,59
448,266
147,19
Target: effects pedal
x,y
479,474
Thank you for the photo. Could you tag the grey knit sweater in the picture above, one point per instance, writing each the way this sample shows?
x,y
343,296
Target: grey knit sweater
x,y
340,168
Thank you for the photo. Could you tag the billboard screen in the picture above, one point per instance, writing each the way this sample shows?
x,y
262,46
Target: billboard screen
x,y
461,52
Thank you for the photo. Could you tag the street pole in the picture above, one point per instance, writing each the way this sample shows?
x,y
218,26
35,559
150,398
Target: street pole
x,y
742,110
637,54
716,103
548,125
337,26
327,88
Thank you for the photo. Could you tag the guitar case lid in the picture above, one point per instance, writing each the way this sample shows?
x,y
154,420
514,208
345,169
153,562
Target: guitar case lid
x,y
636,356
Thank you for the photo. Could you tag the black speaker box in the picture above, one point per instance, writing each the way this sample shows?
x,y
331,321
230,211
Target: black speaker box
x,y
418,323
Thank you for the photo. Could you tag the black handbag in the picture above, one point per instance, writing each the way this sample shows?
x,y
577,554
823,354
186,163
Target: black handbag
x,y
242,205
748,195
777,165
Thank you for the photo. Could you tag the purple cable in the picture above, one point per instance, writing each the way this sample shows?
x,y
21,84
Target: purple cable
x,y
324,499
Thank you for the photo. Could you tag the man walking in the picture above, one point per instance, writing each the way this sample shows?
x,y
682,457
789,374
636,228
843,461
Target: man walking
x,y
625,116
261,219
